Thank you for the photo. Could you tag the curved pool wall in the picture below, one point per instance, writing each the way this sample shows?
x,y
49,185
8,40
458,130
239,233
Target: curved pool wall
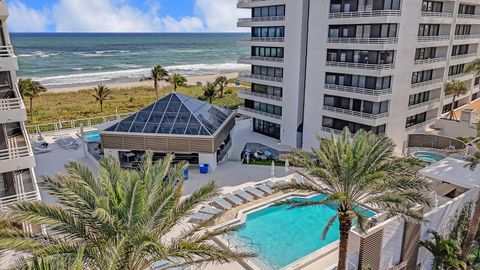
x,y
428,156
282,237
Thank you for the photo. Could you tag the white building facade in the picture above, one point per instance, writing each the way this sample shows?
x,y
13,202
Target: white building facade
x,y
17,177
366,64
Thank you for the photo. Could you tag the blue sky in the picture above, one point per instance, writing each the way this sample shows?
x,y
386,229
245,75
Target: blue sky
x,y
124,15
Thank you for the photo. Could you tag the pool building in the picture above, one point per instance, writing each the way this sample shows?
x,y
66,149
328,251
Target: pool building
x,y
193,130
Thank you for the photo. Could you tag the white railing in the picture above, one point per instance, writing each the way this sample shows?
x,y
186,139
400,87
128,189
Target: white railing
x,y
13,153
259,58
265,39
460,75
437,14
260,95
11,104
243,2
462,37
271,115
463,56
262,19
433,38
434,81
6,50
388,40
428,102
358,90
360,65
27,196
359,14
331,130
355,113
260,77
420,62
469,16
421,125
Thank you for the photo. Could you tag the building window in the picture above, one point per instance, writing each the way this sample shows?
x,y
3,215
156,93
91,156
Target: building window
x,y
357,56
362,5
357,105
428,30
477,81
463,29
432,6
269,11
266,128
360,81
267,90
267,71
339,124
418,98
446,108
474,96
459,49
267,52
277,31
263,107
457,69
416,119
425,53
466,9
363,30
422,76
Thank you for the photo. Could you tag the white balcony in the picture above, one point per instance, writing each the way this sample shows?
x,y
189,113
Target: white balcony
x,y
433,38
348,40
364,14
460,76
277,119
277,41
463,58
16,158
422,62
258,3
253,78
420,126
463,39
423,107
12,110
355,113
256,21
260,60
431,84
19,187
360,65
358,90
265,98
437,14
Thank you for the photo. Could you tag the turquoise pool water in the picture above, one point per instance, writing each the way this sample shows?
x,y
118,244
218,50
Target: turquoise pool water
x,y
92,136
280,236
430,157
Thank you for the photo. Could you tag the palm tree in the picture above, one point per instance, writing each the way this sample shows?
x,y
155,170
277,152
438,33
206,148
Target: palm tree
x,y
30,89
221,82
358,169
474,66
209,91
455,88
177,80
473,162
158,74
445,253
101,94
120,219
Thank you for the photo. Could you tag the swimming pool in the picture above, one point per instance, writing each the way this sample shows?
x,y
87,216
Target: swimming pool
x,y
92,136
280,236
427,156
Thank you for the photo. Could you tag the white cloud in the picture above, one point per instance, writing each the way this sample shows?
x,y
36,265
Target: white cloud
x,y
120,16
24,19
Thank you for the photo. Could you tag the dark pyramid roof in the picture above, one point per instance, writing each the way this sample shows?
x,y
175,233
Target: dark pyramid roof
x,y
175,114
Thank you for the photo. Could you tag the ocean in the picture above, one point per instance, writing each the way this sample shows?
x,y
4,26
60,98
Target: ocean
x,y
72,59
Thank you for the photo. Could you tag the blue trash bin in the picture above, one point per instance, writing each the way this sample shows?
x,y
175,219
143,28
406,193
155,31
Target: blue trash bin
x,y
185,173
203,168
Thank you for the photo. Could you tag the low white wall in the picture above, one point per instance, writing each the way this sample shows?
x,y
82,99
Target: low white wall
x,y
210,159
452,128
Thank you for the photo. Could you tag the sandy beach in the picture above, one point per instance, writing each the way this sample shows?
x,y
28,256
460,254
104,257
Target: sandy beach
x,y
191,80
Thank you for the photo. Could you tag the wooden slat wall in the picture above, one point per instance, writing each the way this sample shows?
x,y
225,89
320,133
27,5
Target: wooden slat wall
x,y
411,238
370,251
222,135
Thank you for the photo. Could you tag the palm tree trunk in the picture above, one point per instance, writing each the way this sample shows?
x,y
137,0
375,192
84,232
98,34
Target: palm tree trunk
x,y
101,106
453,107
345,226
31,106
472,231
174,87
155,84
221,91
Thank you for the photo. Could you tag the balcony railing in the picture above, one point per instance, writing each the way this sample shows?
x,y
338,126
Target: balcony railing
x,y
260,95
420,84
262,19
459,75
437,14
259,58
261,77
265,39
361,14
271,115
331,130
11,104
360,65
428,102
433,38
463,56
358,90
420,62
421,125
462,37
13,153
27,196
355,113
469,16
388,40
6,50
241,2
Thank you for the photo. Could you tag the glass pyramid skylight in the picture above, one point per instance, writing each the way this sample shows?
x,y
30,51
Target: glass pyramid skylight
x,y
175,114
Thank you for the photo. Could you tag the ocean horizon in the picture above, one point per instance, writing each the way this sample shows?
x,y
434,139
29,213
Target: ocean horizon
x,y
74,59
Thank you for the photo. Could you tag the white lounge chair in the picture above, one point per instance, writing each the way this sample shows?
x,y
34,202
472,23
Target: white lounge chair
x,y
40,150
210,210
200,217
298,180
266,189
243,195
232,199
255,192
220,203
275,184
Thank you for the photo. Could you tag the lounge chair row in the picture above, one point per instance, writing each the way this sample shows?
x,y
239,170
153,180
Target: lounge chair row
x,y
233,199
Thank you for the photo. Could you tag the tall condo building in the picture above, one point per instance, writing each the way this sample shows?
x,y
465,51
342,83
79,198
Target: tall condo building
x,y
17,178
380,65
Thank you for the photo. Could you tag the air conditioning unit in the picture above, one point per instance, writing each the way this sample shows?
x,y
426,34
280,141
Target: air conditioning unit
x,y
468,115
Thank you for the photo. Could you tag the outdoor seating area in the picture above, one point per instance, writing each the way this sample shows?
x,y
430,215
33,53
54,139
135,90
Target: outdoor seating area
x,y
68,142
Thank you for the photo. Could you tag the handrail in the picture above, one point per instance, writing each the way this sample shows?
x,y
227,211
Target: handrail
x,y
261,95
11,104
261,77
260,112
261,58
419,84
419,105
470,36
388,40
360,65
355,113
265,39
459,75
358,90
462,56
420,62
12,153
355,14
262,19
469,16
7,50
437,14
432,38
27,196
